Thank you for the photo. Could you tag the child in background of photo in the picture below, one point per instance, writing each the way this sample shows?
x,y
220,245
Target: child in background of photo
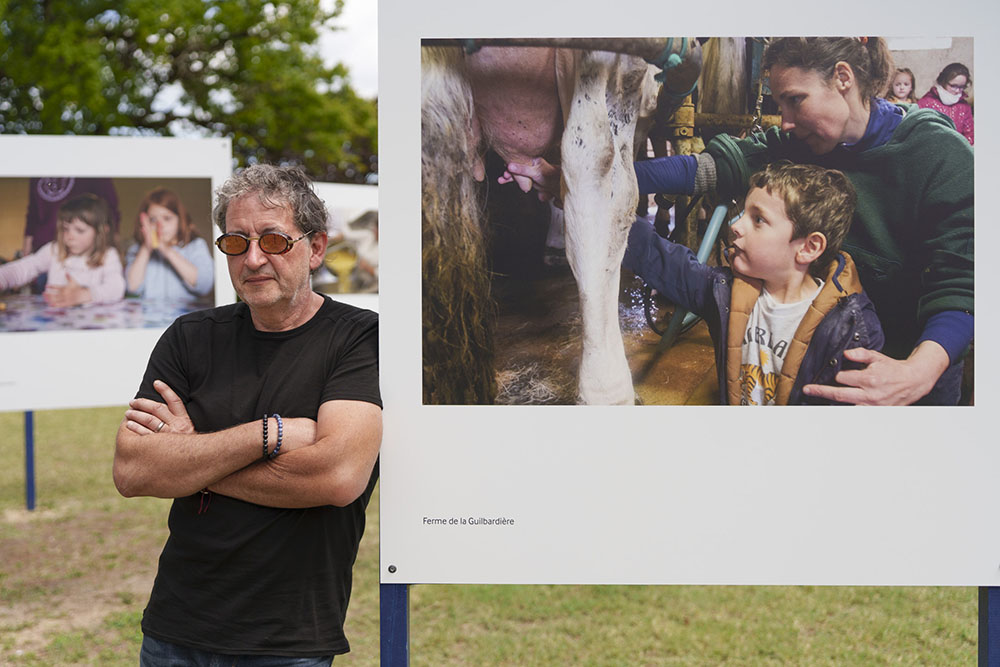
x,y
949,95
168,259
47,194
790,304
82,264
902,86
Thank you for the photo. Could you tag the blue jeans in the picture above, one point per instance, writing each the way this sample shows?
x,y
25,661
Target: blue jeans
x,y
156,653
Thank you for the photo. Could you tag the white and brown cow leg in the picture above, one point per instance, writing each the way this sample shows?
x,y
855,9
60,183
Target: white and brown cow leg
x,y
599,204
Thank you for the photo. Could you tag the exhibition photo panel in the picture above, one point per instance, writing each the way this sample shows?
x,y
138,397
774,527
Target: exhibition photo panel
x,y
104,242
499,465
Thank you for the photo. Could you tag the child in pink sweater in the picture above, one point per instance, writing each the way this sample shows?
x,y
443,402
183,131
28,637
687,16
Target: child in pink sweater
x,y
949,95
82,264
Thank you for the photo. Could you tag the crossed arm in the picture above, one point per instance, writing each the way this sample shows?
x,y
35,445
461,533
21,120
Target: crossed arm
x,y
323,462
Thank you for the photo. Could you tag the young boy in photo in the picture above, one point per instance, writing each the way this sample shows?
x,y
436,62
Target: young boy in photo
x,y
791,303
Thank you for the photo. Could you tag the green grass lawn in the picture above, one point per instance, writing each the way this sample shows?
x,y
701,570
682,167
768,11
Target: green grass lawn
x,y
75,576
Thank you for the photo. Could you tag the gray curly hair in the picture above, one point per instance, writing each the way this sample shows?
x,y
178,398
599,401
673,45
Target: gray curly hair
x,y
281,187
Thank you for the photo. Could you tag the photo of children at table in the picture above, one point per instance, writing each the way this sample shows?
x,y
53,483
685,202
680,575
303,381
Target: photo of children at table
x,y
168,260
82,263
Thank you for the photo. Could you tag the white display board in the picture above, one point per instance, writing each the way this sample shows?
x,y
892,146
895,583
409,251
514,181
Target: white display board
x,y
83,368
683,495
347,200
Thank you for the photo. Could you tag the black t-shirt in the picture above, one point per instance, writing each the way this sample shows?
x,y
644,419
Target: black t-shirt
x,y
236,577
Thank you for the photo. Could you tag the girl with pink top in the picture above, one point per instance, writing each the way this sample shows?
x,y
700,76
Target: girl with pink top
x,y
948,96
82,264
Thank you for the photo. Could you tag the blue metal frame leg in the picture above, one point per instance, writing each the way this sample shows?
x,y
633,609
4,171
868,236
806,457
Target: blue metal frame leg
x,y
989,626
394,614
29,459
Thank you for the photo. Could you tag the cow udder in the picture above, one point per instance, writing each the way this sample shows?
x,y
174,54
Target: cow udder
x,y
517,102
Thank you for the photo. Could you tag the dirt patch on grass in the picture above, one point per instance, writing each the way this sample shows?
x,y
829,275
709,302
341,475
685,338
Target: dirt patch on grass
x,y
66,570
22,516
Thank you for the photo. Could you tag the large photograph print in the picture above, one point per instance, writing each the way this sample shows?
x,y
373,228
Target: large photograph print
x,y
537,428
567,251
104,241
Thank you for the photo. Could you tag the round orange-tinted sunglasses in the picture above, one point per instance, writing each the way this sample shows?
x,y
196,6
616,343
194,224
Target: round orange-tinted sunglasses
x,y
273,243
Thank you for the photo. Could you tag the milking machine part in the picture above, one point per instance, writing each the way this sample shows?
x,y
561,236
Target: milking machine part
x,y
666,61
647,310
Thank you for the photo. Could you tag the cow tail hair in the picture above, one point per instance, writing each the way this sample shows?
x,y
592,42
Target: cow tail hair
x,y
459,314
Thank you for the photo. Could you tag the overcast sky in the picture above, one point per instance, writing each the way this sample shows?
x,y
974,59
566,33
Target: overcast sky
x,y
356,45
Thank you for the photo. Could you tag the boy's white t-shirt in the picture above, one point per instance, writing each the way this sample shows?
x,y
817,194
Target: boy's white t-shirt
x,y
769,332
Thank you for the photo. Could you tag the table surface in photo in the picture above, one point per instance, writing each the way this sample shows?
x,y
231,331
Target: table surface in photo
x,y
31,313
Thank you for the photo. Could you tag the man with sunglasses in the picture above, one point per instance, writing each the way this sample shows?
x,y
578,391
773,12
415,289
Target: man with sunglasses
x,y
262,420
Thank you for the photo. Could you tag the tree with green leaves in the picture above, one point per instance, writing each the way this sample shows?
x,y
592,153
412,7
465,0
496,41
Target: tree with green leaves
x,y
246,69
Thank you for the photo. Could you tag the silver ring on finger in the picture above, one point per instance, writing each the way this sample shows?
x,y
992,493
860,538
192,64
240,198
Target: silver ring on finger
x,y
160,427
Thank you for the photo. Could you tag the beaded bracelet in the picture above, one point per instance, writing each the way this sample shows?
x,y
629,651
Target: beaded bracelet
x,y
264,422
277,417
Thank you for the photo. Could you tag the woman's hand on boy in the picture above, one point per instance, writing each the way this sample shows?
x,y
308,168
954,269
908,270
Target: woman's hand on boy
x,y
886,381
